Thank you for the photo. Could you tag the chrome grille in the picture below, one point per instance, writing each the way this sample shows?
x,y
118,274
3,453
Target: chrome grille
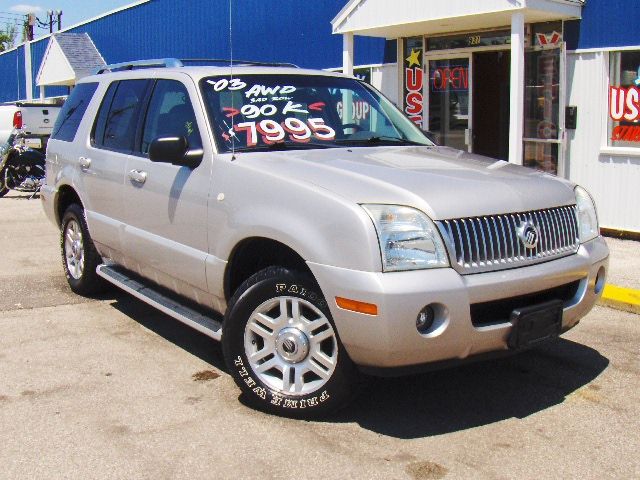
x,y
478,244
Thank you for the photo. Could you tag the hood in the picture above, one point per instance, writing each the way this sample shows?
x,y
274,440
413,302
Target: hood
x,y
443,182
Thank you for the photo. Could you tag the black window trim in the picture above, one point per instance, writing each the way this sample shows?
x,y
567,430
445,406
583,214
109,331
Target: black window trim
x,y
143,107
55,132
137,152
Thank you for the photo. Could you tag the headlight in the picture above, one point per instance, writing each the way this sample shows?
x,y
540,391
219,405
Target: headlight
x,y
587,216
409,240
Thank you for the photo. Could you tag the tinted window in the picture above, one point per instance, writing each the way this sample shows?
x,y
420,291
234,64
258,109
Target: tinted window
x,y
72,112
117,120
97,137
170,114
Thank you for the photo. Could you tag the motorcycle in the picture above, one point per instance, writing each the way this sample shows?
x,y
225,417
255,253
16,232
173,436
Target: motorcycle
x,y
22,164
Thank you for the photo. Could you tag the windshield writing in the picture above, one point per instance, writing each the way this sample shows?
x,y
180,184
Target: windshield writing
x,y
297,111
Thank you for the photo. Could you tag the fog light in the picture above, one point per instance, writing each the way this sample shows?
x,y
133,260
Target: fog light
x,y
425,319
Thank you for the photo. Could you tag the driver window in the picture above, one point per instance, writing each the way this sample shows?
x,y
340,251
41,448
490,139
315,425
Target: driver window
x,y
170,114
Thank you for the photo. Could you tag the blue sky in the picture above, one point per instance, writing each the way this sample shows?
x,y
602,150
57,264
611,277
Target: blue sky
x,y
73,11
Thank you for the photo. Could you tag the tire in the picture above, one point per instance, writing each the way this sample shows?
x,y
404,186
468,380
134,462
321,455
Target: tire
x,y
291,365
3,189
79,256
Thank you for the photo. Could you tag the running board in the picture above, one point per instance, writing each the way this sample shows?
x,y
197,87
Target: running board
x,y
211,327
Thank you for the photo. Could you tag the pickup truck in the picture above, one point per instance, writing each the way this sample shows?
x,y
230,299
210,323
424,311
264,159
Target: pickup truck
x,y
36,118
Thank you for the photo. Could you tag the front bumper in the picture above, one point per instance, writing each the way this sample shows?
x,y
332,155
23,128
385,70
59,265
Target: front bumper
x,y
391,340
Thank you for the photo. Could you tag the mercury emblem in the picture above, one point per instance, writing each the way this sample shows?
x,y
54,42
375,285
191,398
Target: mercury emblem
x,y
528,234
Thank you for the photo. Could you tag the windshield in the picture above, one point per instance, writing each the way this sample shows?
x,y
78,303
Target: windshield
x,y
255,112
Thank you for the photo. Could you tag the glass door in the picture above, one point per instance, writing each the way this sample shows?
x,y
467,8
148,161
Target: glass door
x,y
448,101
544,97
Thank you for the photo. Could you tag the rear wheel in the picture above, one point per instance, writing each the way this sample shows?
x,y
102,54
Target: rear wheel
x,y
3,186
79,256
282,348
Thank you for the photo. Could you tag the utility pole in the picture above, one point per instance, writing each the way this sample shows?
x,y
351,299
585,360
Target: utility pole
x,y
50,15
59,12
31,21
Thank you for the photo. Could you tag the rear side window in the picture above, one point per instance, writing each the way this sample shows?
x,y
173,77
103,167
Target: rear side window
x,y
117,119
72,111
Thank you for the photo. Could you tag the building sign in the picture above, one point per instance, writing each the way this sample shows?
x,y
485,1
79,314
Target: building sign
x,y
475,39
453,77
547,34
413,104
549,39
624,106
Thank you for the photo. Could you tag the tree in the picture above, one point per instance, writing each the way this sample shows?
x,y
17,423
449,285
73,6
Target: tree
x,y
7,37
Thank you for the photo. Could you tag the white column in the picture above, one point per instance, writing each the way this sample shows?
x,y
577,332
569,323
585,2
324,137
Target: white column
x,y
347,53
28,76
42,94
516,125
347,69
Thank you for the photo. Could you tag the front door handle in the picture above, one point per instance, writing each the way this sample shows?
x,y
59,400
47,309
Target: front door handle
x,y
138,176
84,162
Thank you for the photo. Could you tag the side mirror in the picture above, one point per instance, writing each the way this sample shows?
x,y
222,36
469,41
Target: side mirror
x,y
174,150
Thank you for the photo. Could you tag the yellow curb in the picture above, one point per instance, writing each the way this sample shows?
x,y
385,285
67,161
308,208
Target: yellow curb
x,y
626,299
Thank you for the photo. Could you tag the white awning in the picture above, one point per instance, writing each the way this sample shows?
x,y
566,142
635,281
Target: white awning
x,y
68,58
405,18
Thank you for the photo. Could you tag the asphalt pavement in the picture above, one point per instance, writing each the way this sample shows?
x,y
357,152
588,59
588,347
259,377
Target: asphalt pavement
x,y
110,388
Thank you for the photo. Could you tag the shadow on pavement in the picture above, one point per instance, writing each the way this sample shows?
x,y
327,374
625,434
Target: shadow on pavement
x,y
21,196
188,339
476,394
432,403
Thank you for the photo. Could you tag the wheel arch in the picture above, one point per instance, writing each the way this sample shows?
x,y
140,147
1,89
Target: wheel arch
x,y
66,196
253,254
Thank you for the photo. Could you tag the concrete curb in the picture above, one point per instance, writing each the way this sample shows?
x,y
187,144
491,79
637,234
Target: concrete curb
x,y
620,298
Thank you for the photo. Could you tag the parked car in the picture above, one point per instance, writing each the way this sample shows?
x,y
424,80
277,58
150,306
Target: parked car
x,y
36,119
246,203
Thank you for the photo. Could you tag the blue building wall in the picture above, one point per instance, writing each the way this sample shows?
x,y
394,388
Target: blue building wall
x,y
279,30
605,23
274,31
12,74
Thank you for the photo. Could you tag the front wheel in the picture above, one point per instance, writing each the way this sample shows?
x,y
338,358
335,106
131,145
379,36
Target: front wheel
x,y
79,256
282,348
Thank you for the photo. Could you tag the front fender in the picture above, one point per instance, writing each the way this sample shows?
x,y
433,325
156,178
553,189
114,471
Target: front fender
x,y
321,226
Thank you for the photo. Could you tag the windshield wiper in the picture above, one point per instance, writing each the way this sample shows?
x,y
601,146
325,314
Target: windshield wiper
x,y
379,139
283,146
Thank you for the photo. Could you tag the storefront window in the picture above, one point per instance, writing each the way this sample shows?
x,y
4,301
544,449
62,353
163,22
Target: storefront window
x,y
624,99
542,109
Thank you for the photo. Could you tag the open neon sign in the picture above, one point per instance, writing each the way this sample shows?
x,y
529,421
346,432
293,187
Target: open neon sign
x,y
452,78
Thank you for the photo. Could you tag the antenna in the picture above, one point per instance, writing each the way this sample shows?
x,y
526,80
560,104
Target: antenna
x,y
233,133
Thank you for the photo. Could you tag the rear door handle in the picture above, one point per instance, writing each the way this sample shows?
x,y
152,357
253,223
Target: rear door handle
x,y
84,162
138,176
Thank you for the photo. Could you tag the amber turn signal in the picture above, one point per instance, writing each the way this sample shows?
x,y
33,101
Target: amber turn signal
x,y
356,306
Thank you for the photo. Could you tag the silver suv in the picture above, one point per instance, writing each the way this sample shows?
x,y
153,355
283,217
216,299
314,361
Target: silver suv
x,y
301,219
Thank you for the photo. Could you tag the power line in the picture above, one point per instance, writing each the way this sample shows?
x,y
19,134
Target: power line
x,y
14,15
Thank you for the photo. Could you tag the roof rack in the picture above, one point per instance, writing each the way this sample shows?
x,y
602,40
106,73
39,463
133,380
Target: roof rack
x,y
160,62
174,63
236,62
